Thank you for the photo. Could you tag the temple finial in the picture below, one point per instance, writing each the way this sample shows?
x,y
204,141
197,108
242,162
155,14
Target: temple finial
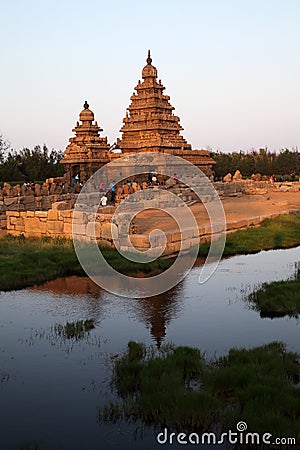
x,y
86,105
149,59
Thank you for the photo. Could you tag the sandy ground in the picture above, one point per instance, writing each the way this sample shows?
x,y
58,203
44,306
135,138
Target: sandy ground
x,y
236,209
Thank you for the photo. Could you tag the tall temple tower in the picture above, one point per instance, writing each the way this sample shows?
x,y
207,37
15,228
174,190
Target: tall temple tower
x,y
87,151
151,126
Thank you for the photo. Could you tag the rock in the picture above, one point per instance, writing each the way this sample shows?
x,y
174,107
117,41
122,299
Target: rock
x,y
256,177
60,206
256,191
227,178
10,201
237,176
29,192
37,190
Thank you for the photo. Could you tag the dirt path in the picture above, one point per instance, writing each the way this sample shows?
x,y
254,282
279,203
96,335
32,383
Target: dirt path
x,y
236,209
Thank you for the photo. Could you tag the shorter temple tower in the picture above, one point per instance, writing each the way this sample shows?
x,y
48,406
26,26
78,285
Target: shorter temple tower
x,y
87,151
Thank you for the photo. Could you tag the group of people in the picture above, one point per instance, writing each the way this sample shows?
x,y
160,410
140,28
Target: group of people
x,y
282,177
117,192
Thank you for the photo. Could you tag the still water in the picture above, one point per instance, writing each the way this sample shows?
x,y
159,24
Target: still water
x,y
51,388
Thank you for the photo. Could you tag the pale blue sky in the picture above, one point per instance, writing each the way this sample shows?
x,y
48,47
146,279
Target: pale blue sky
x,y
230,67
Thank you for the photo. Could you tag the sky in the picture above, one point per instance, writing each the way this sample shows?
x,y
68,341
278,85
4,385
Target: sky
x,y
230,67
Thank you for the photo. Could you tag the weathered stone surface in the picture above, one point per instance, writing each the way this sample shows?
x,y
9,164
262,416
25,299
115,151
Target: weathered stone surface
x,y
61,206
46,203
256,191
106,231
67,230
12,214
80,217
237,176
52,214
79,229
29,192
256,177
16,221
33,224
41,214
140,241
66,214
227,178
93,229
55,227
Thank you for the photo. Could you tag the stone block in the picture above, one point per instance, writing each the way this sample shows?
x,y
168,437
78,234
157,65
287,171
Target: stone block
x,y
93,229
55,227
80,217
176,237
10,226
67,229
140,241
60,206
66,214
28,200
43,214
52,214
186,244
174,247
16,220
46,203
20,228
34,225
10,201
106,231
67,220
12,214
79,229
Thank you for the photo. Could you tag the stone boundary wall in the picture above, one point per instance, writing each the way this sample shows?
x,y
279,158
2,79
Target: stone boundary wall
x,y
250,187
55,223
42,198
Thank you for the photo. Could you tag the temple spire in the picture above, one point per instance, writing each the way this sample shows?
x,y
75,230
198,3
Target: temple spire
x,y
149,59
86,105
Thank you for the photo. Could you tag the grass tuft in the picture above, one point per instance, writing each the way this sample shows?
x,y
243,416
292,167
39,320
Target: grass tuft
x,y
75,330
176,387
278,298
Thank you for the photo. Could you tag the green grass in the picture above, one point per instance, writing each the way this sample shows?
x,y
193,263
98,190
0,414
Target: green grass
x,y
278,298
177,388
75,330
280,232
28,261
25,262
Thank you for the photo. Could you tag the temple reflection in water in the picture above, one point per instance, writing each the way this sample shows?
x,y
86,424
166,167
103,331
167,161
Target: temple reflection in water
x,y
155,312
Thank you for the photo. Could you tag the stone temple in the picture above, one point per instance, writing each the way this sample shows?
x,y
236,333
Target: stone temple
x,y
149,126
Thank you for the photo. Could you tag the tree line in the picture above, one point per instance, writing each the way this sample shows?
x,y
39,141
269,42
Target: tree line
x,y
263,161
40,163
29,165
